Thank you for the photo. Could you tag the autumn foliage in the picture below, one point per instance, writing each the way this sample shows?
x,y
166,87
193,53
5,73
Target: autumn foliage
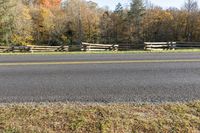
x,y
56,22
49,3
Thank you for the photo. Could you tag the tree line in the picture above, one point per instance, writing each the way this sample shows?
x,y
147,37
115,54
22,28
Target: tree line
x,y
56,22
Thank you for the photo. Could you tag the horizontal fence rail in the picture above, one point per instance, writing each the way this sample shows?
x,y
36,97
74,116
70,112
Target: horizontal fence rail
x,y
3,49
7,49
99,47
187,45
49,48
160,45
171,45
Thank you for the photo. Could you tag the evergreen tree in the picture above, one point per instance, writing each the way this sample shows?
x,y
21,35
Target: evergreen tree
x,y
118,9
118,19
136,13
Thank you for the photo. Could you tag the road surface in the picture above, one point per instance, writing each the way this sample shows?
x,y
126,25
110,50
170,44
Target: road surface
x,y
148,77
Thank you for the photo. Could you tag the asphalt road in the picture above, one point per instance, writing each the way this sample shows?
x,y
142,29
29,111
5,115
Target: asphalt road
x,y
150,77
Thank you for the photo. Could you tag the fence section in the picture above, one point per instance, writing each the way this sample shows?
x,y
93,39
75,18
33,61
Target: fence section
x,y
187,45
24,49
160,45
3,49
99,47
171,45
49,48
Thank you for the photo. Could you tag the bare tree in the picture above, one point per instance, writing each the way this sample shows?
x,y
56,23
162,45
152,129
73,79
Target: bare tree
x,y
191,7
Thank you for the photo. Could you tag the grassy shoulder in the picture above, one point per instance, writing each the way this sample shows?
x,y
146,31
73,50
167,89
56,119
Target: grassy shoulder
x,y
106,52
104,118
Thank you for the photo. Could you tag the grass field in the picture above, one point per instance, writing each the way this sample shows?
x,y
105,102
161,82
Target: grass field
x,y
100,118
105,52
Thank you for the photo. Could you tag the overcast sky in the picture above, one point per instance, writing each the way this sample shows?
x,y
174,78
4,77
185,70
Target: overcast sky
x,y
164,3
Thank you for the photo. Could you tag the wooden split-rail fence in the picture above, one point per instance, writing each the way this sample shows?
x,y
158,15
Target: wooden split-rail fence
x,y
171,45
32,49
99,47
103,47
160,45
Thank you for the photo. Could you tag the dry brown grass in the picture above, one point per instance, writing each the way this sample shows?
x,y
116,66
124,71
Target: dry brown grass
x,y
101,118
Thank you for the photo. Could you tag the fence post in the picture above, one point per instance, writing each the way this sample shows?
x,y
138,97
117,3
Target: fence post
x,y
168,45
116,47
173,45
31,49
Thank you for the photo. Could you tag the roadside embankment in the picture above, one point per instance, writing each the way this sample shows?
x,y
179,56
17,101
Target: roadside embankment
x,y
104,118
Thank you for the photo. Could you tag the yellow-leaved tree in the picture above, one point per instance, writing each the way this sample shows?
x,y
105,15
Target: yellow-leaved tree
x,y
23,30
